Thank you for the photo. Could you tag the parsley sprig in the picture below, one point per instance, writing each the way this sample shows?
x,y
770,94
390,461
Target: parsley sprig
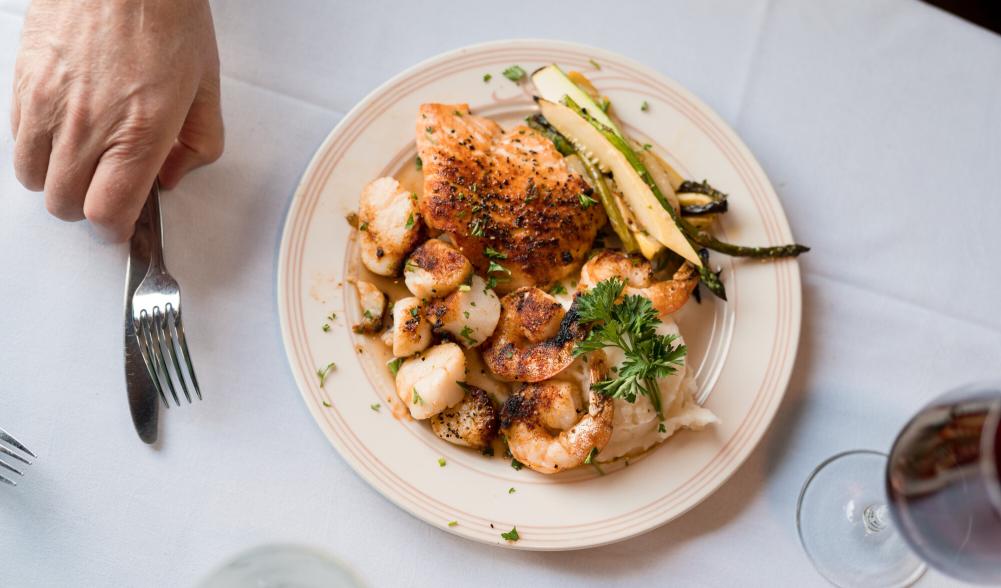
x,y
630,325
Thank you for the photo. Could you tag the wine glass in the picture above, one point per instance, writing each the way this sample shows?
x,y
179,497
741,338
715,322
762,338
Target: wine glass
x,y
866,519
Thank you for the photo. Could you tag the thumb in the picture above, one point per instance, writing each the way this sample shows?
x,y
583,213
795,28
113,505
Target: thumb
x,y
200,141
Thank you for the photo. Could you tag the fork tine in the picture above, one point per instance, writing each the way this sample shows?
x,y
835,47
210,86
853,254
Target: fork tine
x,y
154,346
6,465
6,481
161,320
6,437
141,338
6,451
183,344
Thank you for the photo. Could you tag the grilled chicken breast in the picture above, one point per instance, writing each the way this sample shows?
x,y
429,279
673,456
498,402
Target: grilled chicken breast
x,y
511,192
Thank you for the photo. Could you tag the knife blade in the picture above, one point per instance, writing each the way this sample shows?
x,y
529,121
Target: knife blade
x,y
144,402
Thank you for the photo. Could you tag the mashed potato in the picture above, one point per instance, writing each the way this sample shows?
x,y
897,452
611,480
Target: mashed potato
x,y
636,426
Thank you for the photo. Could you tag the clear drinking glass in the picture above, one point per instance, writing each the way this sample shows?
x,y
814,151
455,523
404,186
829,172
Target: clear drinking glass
x,y
868,519
282,566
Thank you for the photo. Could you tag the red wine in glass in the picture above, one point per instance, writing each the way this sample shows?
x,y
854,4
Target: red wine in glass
x,y
943,485
869,520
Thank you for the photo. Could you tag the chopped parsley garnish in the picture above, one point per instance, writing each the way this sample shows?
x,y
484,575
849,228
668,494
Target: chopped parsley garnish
x,y
492,253
465,313
394,365
441,462
327,404
647,146
591,461
645,106
487,77
368,314
661,428
511,535
586,201
631,326
467,334
429,129
322,373
595,64
511,490
476,228
458,113
454,523
514,73
516,464
604,104
332,316
375,407
410,266
410,222
558,289
414,311
363,226
416,397
496,267
326,328
419,163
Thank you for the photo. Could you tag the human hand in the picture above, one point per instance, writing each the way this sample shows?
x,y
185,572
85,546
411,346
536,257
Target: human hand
x,y
107,95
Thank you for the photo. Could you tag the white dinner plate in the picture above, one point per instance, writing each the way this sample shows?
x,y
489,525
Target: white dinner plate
x,y
741,351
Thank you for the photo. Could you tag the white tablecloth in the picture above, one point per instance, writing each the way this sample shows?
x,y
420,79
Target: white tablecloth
x,y
878,122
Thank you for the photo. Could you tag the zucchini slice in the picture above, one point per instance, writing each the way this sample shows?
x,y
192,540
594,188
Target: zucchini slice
x,y
553,84
646,207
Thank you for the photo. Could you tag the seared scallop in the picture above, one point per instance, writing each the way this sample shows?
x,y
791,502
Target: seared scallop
x,y
411,330
470,313
435,269
471,423
389,225
373,305
427,383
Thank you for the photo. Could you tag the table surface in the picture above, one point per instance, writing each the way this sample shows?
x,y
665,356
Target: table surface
x,y
878,122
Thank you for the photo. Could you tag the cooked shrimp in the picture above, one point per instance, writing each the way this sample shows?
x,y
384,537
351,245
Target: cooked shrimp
x,y
389,225
435,269
427,383
667,296
534,338
542,424
411,331
373,305
470,313
471,423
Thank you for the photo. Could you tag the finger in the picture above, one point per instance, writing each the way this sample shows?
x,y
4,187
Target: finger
x,y
119,188
31,150
71,167
201,138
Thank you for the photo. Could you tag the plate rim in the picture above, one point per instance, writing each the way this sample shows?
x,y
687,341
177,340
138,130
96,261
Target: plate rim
x,y
781,380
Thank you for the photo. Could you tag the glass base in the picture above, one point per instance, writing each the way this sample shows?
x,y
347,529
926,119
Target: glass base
x,y
845,528
282,566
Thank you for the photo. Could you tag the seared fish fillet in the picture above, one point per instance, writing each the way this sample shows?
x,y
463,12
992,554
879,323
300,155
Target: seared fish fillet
x,y
511,192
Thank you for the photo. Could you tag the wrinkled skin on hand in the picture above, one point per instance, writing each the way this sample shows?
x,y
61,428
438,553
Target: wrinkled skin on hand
x,y
107,95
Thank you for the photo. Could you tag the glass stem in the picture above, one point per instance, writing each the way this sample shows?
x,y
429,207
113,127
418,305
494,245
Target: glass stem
x,y
876,518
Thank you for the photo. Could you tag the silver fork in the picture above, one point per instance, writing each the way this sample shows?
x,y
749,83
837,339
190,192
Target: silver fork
x,y
156,318
14,454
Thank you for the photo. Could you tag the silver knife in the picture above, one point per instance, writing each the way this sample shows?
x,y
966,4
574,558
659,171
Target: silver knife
x,y
143,397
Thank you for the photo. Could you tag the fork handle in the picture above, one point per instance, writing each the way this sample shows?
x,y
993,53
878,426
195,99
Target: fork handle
x,y
156,227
